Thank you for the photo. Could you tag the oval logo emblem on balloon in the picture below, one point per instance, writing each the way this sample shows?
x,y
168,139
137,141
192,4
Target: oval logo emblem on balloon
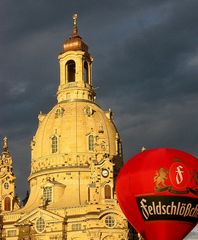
x,y
179,175
158,193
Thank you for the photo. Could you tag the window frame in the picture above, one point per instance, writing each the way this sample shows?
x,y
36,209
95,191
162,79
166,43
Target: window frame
x,y
12,233
6,185
110,221
47,194
54,144
71,71
107,191
86,72
91,142
40,222
76,227
7,204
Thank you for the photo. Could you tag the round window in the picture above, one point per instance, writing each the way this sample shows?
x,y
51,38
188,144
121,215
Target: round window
x,y
6,185
40,225
110,221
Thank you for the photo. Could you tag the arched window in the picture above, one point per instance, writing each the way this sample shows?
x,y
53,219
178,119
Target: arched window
x,y
91,142
54,144
47,194
71,70
89,194
107,192
7,204
86,76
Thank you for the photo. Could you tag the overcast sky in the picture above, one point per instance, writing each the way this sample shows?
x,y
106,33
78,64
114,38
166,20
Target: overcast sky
x,y
145,68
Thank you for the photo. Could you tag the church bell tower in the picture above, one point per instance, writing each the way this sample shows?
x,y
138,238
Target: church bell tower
x,y
7,179
75,69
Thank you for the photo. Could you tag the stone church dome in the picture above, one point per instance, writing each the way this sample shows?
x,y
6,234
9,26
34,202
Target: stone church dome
x,y
76,140
76,133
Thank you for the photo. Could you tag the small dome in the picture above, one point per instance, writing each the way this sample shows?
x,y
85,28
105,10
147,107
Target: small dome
x,y
75,43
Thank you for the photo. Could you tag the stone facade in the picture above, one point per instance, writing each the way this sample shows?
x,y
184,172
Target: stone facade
x,y
76,155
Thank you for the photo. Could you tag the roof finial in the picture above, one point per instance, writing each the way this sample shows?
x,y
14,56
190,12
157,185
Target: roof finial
x,y
5,144
75,28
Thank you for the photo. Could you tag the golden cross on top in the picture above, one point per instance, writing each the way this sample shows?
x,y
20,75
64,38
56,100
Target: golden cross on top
x,y
75,30
75,17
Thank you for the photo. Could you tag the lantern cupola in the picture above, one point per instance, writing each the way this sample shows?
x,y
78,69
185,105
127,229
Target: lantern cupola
x,y
75,69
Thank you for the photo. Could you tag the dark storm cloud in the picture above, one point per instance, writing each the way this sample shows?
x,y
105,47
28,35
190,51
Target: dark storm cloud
x,y
156,71
145,68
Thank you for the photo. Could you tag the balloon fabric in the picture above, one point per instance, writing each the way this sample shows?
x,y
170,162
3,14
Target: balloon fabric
x,y
158,192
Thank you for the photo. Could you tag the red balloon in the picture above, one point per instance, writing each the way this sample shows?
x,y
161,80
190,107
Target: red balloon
x,y
158,192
